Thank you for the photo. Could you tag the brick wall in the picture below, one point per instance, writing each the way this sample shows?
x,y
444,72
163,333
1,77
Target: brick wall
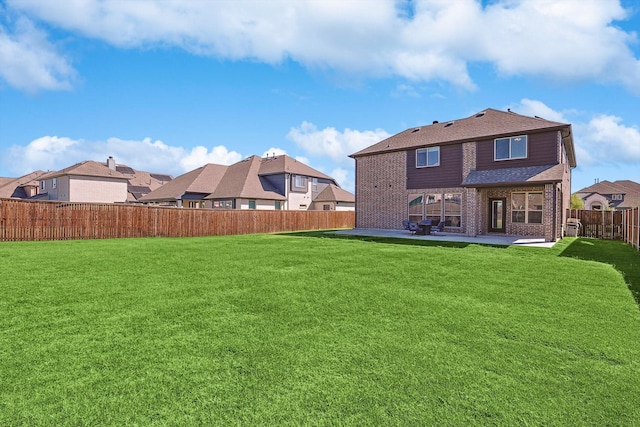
x,y
381,195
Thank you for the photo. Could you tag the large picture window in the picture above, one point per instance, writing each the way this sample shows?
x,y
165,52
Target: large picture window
x,y
433,207
510,148
416,207
453,210
526,207
427,157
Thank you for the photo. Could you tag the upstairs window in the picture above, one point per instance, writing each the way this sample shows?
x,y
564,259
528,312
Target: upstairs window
x,y
299,183
54,182
616,197
510,148
427,157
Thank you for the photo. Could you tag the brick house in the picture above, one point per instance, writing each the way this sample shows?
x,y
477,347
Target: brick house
x,y
492,172
616,195
271,183
97,182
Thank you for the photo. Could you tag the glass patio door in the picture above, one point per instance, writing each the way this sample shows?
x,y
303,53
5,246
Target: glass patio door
x,y
497,215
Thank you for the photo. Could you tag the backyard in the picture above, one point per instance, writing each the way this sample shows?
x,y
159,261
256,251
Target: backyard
x,y
297,328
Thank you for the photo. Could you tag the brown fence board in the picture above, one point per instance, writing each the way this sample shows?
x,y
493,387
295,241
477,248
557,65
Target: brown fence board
x,y
38,220
631,226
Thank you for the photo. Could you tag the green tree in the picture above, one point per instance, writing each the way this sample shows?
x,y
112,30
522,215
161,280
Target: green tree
x,y
576,202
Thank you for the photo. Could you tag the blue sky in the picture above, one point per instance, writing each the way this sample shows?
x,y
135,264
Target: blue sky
x,y
167,86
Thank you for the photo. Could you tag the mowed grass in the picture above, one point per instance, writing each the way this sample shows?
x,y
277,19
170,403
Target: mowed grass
x,y
295,330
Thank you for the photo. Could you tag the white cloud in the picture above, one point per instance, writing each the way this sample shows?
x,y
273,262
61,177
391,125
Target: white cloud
x,y
532,108
437,40
53,153
28,61
602,139
345,178
606,139
329,142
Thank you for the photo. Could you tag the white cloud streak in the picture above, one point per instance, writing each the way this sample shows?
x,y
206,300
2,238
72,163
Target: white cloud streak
x,y
436,40
54,153
329,142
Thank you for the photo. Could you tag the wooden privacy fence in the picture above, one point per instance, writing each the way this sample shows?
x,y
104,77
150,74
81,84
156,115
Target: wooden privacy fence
x,y
616,225
37,220
598,224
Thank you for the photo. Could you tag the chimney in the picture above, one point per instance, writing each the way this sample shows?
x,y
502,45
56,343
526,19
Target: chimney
x,y
111,164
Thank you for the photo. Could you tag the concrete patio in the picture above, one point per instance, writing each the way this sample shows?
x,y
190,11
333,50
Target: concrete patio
x,y
485,239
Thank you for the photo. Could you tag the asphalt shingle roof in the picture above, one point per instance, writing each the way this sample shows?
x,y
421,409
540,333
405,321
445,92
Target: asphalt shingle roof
x,y
486,124
333,193
532,174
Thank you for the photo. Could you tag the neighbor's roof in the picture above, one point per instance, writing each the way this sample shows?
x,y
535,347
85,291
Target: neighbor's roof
x,y
616,187
333,193
203,180
630,189
285,164
14,187
242,180
141,183
486,124
86,168
507,176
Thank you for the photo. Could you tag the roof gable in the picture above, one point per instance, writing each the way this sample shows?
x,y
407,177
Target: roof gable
x,y
241,180
333,193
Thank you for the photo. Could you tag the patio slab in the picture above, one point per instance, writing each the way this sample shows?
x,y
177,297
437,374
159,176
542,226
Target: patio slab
x,y
485,239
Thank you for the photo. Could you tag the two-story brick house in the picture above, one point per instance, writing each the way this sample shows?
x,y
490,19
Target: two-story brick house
x,y
493,172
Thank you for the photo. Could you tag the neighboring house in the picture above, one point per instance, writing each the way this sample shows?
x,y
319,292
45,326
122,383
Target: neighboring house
x,y
624,194
493,172
24,187
277,182
334,198
98,182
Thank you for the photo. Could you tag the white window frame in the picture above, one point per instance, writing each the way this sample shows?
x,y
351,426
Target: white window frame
x,y
54,182
511,139
426,151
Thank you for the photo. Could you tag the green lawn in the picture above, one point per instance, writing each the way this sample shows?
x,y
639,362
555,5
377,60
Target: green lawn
x,y
302,330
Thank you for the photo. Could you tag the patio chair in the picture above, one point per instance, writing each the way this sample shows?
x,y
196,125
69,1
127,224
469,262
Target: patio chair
x,y
440,227
405,224
413,227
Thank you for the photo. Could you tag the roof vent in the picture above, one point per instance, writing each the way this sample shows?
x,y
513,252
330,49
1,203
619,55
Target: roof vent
x,y
448,124
415,130
479,115
435,122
